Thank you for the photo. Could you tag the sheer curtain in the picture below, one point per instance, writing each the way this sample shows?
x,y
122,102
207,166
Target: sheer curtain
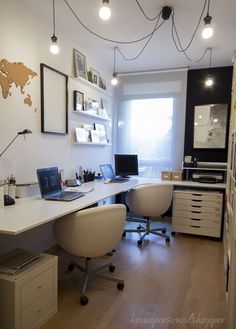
x,y
150,117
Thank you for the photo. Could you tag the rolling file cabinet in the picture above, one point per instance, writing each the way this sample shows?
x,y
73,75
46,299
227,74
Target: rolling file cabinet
x,y
197,212
29,298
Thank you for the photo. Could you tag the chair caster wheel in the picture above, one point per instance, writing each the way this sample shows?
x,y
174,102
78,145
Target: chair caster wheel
x,y
71,267
120,286
112,268
163,231
139,227
124,235
167,240
173,233
84,300
139,242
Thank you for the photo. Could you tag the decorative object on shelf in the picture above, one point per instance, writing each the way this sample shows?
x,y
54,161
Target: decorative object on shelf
x,y
210,123
81,135
78,101
54,101
95,76
80,64
90,76
23,132
95,136
102,83
101,131
95,106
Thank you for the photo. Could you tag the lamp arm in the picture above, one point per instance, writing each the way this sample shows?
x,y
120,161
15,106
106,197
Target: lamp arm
x,y
9,145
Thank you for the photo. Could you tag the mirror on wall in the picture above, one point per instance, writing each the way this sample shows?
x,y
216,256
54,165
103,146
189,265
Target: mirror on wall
x,y
210,126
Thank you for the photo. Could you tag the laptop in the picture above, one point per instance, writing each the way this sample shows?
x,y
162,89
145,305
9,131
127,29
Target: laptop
x,y
50,186
108,173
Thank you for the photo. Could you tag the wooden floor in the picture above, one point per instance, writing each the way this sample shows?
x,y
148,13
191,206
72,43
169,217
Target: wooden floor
x,y
180,285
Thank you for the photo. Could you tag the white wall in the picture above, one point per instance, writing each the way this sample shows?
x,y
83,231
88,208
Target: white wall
x,y
25,38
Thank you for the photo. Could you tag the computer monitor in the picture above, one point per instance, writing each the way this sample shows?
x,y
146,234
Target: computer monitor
x,y
126,164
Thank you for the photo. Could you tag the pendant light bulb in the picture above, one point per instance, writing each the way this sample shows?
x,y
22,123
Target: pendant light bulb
x,y
54,48
209,82
114,80
207,31
105,11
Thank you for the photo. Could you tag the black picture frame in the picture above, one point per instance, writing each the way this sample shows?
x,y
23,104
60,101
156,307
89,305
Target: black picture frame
x,y
54,101
78,101
210,126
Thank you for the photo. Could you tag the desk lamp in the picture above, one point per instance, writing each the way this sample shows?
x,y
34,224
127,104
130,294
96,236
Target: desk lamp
x,y
23,132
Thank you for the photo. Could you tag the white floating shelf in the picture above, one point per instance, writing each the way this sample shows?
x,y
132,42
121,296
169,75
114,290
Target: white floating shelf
x,y
90,84
90,143
92,115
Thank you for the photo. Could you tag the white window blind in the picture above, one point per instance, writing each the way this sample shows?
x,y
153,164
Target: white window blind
x,y
150,118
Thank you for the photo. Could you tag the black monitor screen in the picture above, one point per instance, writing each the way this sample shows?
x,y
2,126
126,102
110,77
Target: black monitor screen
x,y
126,164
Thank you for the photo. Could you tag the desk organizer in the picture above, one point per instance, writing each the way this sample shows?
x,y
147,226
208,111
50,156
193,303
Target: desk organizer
x,y
88,177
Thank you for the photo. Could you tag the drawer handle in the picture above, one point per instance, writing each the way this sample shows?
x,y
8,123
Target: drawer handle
x,y
196,206
196,194
195,226
196,212
195,218
196,200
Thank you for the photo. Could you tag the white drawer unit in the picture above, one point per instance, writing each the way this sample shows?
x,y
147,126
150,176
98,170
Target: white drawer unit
x,y
29,298
197,212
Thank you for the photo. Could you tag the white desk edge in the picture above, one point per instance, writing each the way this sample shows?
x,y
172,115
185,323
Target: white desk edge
x,y
29,213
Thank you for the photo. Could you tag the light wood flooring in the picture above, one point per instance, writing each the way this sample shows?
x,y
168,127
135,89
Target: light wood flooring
x,y
180,285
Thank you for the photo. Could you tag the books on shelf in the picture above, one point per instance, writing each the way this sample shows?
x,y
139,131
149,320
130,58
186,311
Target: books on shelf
x,y
17,260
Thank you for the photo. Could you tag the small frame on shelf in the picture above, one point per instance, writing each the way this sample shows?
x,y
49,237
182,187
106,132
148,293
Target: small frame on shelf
x,y
78,101
95,76
80,64
102,83
54,101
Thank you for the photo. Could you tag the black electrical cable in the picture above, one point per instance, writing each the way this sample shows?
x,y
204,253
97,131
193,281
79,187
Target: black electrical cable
x,y
174,29
104,38
145,15
53,12
142,50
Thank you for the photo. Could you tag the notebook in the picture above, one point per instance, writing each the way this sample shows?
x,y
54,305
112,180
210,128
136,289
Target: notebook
x,y
50,186
108,173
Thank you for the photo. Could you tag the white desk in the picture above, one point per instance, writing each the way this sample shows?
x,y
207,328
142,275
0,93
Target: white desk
x,y
29,213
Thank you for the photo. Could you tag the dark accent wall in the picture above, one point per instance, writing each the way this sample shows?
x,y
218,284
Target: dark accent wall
x,y
198,94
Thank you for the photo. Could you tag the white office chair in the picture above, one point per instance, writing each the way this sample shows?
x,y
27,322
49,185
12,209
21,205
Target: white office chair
x,y
149,202
91,233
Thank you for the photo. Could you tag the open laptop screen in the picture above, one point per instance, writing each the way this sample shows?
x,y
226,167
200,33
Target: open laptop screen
x,y
49,180
107,171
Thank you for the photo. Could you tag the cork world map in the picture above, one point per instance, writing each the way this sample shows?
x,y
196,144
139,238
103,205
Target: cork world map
x,y
16,75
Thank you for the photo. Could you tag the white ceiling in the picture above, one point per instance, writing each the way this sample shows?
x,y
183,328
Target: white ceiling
x,y
128,23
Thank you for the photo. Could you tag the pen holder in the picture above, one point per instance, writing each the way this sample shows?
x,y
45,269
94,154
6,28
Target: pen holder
x,y
88,177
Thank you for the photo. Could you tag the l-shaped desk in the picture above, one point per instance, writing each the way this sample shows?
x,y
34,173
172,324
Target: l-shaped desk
x,y
32,212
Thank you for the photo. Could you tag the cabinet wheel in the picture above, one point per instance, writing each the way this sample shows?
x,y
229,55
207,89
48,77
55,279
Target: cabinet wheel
x,y
71,267
167,240
120,286
84,300
112,268
139,227
139,242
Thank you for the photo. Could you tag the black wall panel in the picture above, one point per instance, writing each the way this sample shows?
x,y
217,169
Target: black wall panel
x,y
198,94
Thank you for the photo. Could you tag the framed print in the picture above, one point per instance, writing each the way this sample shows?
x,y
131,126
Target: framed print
x,y
78,101
210,126
80,64
54,101
95,76
102,83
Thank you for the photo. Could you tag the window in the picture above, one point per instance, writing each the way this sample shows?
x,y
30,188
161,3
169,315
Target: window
x,y
151,123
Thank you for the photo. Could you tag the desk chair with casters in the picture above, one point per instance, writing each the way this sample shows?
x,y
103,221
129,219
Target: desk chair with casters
x,y
91,233
148,202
